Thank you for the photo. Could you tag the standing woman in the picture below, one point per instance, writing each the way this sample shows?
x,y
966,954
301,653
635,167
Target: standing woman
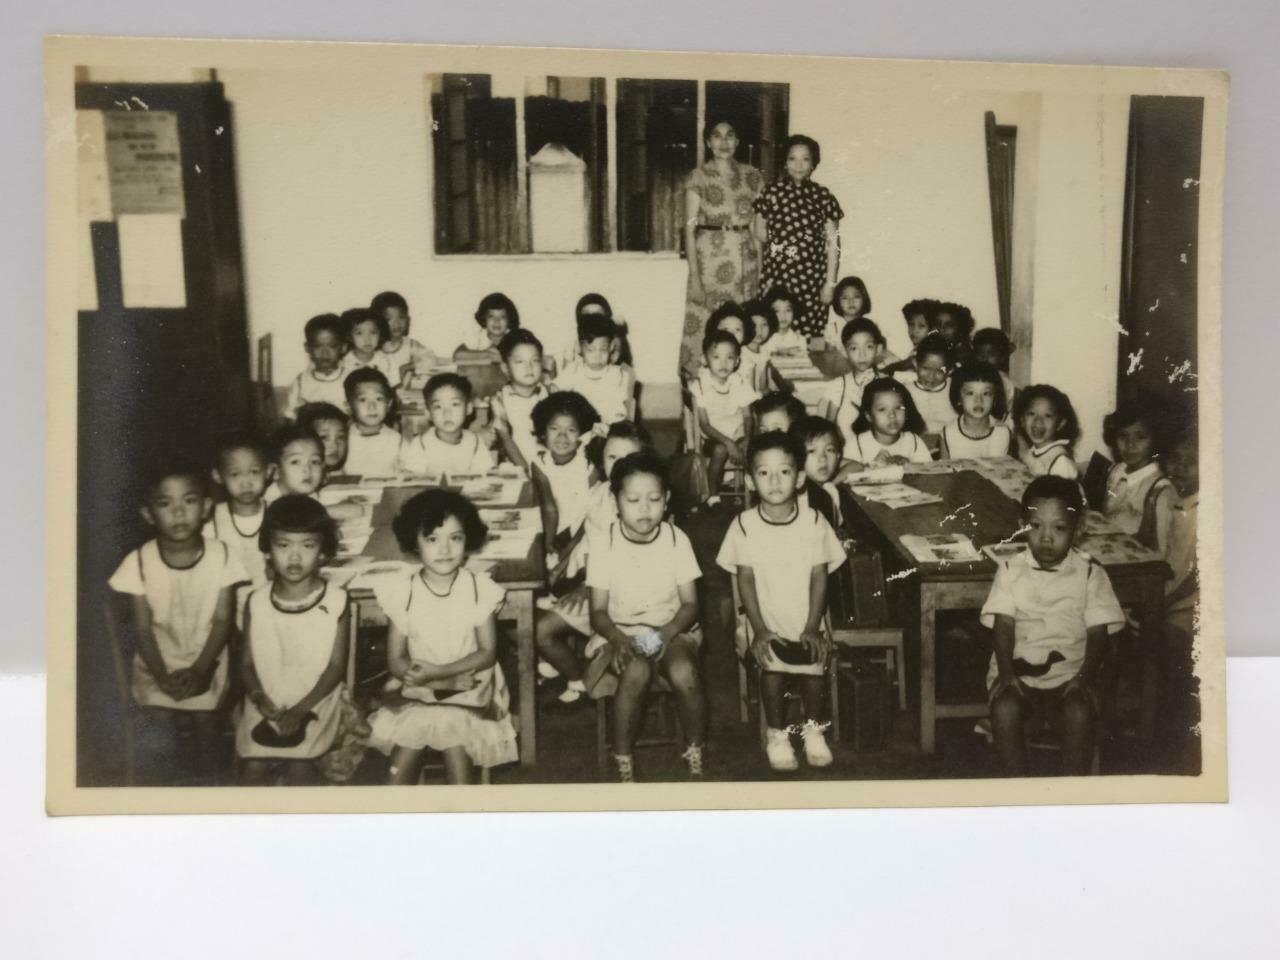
x,y
802,240
724,256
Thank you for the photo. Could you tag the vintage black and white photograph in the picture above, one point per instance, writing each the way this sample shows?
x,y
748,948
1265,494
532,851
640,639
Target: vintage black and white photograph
x,y
610,430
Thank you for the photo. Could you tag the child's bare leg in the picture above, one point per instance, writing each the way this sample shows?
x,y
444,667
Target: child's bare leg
x,y
679,664
813,695
457,765
405,767
301,773
632,687
772,688
717,459
255,772
1078,722
1006,728
552,638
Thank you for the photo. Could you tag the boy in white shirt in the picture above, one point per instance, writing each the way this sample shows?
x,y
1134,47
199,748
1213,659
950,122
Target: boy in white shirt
x,y
722,402
321,382
930,383
781,552
447,446
1052,610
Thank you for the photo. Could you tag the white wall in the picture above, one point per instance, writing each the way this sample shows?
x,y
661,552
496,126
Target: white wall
x,y
336,204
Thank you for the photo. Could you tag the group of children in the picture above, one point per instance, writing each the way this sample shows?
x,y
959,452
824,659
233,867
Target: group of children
x,y
245,573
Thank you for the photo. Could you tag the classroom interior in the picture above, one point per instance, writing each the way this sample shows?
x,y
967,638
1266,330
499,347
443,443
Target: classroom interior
x,y
306,190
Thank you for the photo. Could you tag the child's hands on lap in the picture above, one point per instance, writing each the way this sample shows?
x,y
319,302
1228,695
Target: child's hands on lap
x,y
417,674
265,705
1010,682
289,721
817,643
760,645
620,653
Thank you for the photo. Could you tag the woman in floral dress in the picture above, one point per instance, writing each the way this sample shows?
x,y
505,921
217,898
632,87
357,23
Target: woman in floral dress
x,y
802,241
723,252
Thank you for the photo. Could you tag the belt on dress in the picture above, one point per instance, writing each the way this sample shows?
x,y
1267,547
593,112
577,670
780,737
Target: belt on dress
x,y
707,226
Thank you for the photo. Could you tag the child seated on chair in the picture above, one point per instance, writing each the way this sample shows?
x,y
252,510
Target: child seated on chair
x,y
780,552
842,397
181,587
563,474
451,695
644,609
1052,610
329,424
297,461
992,345
401,350
722,402
608,384
979,431
786,339
242,470
373,445
321,382
496,317
1139,496
447,446
930,383
512,406
567,617
295,652
823,456
366,333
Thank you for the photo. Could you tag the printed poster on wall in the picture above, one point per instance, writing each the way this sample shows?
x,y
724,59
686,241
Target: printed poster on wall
x,y
144,162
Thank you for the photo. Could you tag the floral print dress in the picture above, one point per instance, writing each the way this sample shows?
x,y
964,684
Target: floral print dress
x,y
795,251
728,257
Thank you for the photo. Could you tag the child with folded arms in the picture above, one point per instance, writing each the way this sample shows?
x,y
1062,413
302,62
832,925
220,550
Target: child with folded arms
x,y
644,608
1052,610
447,446
781,552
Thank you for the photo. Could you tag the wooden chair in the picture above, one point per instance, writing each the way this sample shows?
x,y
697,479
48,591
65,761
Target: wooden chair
x,y
869,626
265,406
660,706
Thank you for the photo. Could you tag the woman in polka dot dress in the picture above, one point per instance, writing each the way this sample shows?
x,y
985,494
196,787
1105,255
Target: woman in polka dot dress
x,y
802,242
724,256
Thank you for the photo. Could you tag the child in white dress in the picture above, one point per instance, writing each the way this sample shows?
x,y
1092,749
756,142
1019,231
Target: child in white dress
x,y
402,351
644,609
609,386
563,474
295,652
979,432
1052,609
373,445
1047,429
447,446
786,338
242,471
781,551
850,301
181,588
1139,496
495,317
842,398
512,406
569,616
930,383
888,427
733,319
760,326
442,647
722,403
321,382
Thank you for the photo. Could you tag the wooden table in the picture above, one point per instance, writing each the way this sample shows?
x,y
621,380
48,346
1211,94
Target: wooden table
x,y
973,505
520,578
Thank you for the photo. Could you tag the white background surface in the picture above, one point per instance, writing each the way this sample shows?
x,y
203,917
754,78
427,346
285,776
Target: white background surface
x,y
1152,881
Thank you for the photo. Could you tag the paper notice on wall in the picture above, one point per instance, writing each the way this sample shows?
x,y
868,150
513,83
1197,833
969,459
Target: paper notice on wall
x,y
151,267
144,161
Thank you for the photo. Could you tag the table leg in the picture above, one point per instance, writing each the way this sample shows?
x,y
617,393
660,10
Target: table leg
x,y
520,608
928,666
1151,655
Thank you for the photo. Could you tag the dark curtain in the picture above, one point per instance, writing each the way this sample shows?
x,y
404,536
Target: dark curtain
x,y
1001,152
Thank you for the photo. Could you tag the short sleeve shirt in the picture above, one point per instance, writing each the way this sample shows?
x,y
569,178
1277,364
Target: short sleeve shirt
x,y
376,455
781,556
845,396
934,405
643,579
428,454
1051,460
724,405
961,446
311,387
867,449
1052,611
